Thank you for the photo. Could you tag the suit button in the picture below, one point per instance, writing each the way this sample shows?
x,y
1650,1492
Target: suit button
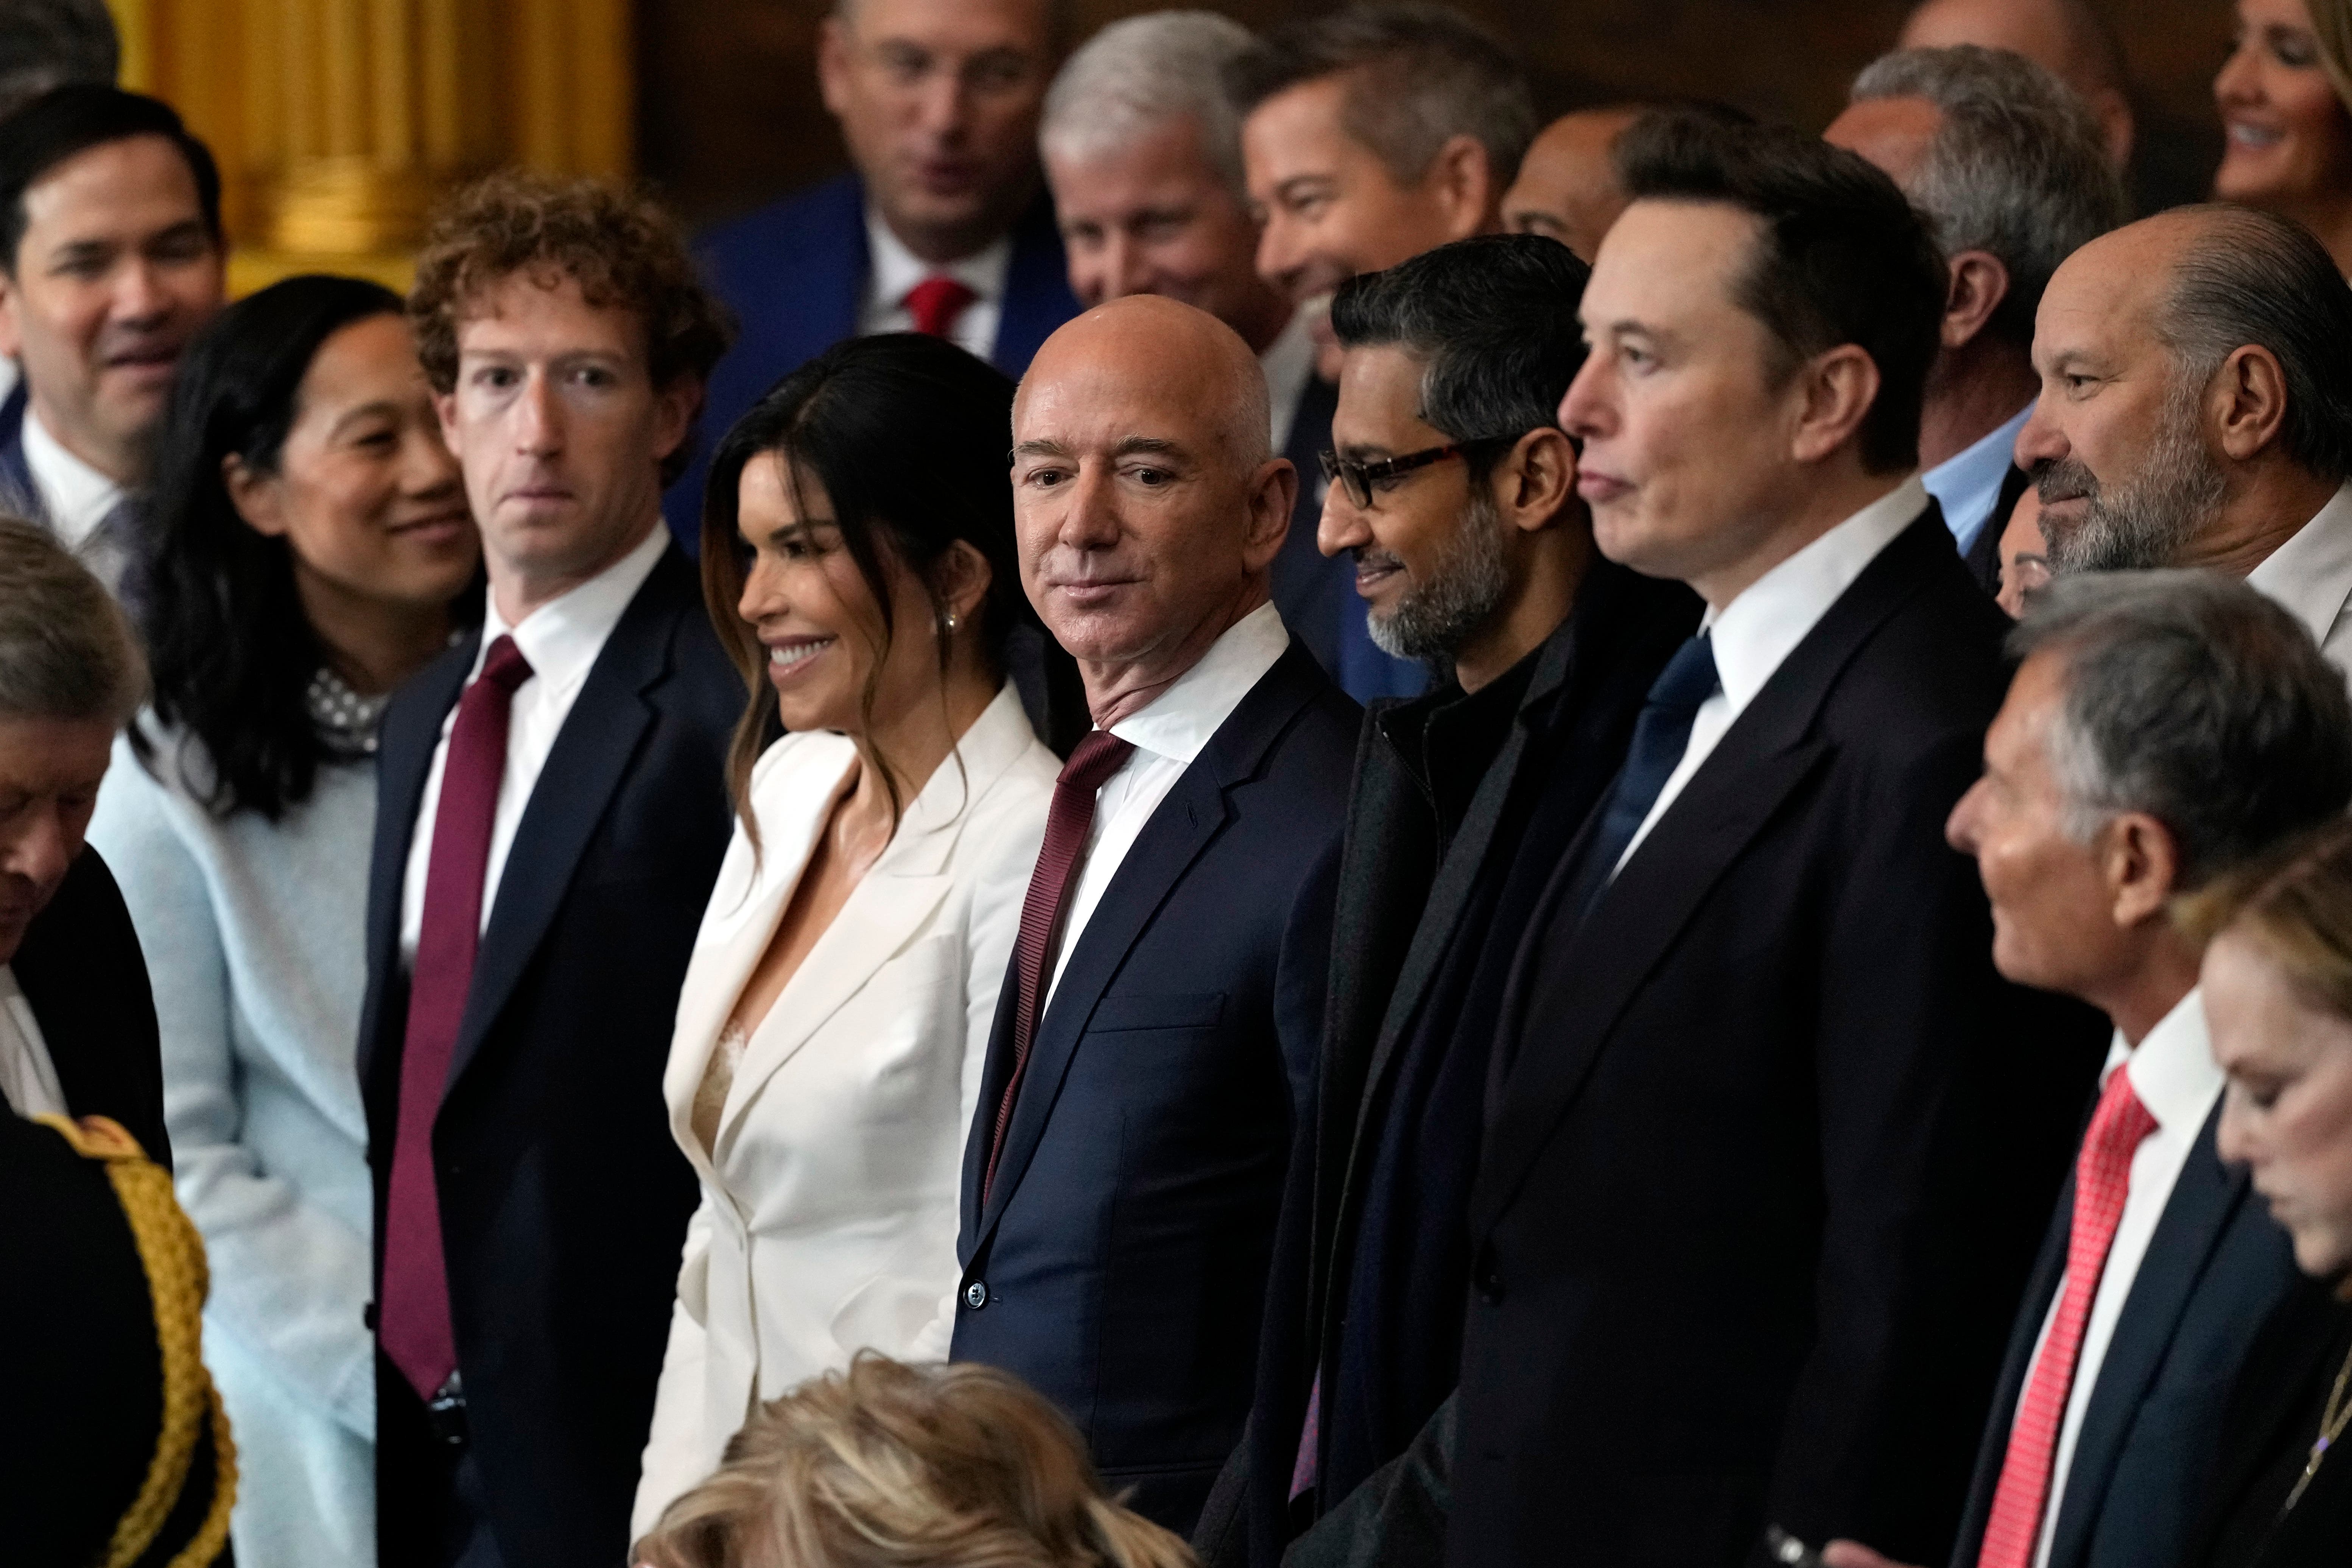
x,y
975,1296
1486,1277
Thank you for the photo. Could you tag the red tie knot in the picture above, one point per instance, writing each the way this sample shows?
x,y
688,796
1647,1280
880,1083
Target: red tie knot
x,y
1094,760
936,302
504,666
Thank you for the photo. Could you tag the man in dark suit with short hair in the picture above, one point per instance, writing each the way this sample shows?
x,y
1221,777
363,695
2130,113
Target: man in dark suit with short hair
x,y
2095,812
942,227
552,814
1155,1045
1769,1137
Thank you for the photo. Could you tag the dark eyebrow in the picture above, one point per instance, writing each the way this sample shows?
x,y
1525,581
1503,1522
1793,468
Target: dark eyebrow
x,y
382,407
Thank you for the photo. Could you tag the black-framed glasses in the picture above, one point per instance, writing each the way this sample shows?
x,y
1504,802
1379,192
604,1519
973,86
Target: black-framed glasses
x,y
1360,478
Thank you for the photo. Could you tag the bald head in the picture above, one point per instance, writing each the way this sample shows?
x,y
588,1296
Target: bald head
x,y
1567,189
1149,507
2065,37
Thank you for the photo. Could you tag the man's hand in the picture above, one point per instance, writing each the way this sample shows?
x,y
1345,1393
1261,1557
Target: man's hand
x,y
1854,1555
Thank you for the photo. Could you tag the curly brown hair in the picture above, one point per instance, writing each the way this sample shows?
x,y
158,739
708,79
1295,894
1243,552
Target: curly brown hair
x,y
619,246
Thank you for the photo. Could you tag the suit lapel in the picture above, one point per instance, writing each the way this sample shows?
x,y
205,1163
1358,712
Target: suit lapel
x,y
1183,827
2204,1200
1765,757
583,769
17,488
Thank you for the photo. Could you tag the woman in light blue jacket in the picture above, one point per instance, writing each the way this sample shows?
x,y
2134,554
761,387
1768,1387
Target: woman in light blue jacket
x,y
307,542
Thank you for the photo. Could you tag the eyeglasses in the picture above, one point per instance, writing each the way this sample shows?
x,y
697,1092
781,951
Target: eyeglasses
x,y
1360,478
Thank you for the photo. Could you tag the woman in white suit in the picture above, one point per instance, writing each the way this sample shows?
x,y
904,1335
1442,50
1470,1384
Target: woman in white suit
x,y
858,554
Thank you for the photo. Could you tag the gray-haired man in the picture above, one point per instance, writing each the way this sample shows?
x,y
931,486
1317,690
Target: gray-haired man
x,y
2165,728
2009,164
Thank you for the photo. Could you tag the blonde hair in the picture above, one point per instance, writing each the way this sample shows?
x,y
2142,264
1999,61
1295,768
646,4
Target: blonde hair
x,y
891,1466
2296,905
2331,24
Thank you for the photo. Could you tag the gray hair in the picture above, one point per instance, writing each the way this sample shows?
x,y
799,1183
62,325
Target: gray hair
x,y
2255,278
2192,697
1425,74
49,43
2017,169
1138,75
66,648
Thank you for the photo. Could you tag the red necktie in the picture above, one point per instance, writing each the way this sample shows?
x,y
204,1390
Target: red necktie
x,y
1067,821
2102,1181
412,1317
936,302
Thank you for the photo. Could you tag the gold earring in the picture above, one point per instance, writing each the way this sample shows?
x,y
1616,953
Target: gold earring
x,y
952,620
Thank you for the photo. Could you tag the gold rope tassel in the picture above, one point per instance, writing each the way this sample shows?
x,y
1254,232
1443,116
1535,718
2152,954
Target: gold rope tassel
x,y
174,1255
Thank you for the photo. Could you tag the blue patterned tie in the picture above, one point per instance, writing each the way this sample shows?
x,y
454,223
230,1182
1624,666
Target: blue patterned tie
x,y
1661,735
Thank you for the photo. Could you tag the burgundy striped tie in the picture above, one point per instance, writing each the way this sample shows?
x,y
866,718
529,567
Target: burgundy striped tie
x,y
412,1317
1071,818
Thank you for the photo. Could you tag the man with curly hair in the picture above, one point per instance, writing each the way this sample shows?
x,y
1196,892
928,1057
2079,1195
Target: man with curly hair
x,y
552,813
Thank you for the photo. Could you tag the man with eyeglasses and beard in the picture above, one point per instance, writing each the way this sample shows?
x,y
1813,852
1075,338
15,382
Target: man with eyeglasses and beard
x,y
2195,410
1452,490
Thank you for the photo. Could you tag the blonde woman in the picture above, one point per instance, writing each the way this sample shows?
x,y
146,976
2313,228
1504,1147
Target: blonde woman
x,y
2287,136
858,555
887,1466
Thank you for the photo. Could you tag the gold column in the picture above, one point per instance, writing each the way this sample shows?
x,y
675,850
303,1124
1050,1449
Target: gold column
x,y
337,121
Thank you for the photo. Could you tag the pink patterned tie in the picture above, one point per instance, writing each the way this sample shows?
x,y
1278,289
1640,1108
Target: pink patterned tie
x,y
936,302
1067,821
413,1316
2102,1181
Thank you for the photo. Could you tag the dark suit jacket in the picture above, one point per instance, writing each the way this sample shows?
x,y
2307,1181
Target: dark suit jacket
x,y
80,968
1759,1194
1120,1264
2266,1433
18,494
1984,551
563,1199
2151,1443
794,275
1403,891
81,1362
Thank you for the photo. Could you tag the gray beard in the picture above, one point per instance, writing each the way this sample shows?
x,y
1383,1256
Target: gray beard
x,y
2148,521
1435,618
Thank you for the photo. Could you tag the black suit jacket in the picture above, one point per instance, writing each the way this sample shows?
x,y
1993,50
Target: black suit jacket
x,y
563,1198
80,968
1404,893
1121,1263
2273,1417
2149,1448
1761,1188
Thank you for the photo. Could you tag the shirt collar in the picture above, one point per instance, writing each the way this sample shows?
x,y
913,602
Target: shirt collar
x,y
1762,626
562,637
1179,721
2172,1072
1967,484
896,269
78,495
2311,574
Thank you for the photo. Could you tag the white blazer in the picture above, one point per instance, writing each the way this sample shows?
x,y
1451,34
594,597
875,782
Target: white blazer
x,y
829,1204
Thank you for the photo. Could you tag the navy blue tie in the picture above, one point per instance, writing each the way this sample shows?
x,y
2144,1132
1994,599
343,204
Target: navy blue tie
x,y
1661,735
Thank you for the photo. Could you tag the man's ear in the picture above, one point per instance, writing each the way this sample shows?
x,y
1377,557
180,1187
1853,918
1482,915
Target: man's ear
x,y
2248,400
1835,391
675,406
833,47
1461,178
1535,484
2141,861
1273,492
1978,285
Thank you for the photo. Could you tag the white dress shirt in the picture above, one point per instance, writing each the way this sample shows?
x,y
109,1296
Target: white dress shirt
x,y
894,270
77,498
1968,483
28,1079
1168,733
2311,576
1760,628
1288,361
2173,1074
559,640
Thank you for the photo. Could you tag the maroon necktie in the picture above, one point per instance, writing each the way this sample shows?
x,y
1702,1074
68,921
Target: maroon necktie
x,y
1067,823
413,1316
936,302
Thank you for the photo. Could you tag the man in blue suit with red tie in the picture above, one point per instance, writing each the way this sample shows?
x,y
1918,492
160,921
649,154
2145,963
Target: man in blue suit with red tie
x,y
943,225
